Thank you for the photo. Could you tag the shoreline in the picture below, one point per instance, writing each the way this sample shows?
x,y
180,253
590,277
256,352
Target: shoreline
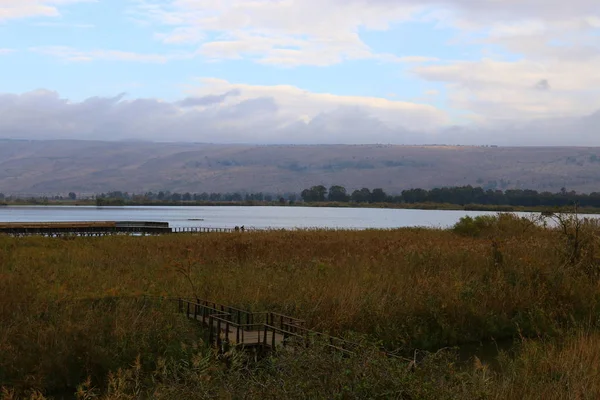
x,y
398,206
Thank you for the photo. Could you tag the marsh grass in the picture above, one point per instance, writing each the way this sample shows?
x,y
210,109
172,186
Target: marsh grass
x,y
566,369
405,289
55,346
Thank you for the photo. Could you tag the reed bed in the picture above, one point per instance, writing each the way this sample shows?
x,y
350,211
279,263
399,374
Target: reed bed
x,y
406,289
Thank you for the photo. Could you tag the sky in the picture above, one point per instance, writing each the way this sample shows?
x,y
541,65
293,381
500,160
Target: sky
x,y
483,72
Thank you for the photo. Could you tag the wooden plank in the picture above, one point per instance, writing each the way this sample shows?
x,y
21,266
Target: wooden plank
x,y
61,225
254,337
83,228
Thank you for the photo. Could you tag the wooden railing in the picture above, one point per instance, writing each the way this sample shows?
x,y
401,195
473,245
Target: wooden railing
x,y
101,228
199,229
266,329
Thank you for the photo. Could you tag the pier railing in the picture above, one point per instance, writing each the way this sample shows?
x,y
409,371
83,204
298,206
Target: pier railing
x,y
201,229
102,228
235,326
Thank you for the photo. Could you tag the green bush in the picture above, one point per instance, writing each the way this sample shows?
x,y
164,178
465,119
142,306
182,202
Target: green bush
x,y
494,225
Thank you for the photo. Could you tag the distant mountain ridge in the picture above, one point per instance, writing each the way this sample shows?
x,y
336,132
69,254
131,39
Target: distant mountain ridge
x,y
59,166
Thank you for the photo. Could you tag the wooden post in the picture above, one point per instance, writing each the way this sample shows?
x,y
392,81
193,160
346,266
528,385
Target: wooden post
x,y
265,336
227,330
210,329
219,332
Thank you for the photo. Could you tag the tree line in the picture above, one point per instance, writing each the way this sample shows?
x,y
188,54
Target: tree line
x,y
116,197
463,195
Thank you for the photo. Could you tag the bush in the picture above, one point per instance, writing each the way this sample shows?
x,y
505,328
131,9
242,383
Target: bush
x,y
504,224
475,227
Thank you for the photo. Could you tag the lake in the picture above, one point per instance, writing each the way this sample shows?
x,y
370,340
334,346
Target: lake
x,y
250,217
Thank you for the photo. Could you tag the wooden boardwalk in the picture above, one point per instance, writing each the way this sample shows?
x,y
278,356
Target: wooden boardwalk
x,y
99,228
244,337
256,329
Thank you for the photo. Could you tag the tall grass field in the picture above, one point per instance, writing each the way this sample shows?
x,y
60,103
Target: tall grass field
x,y
74,322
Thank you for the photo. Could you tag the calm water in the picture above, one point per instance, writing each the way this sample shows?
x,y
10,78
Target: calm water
x,y
250,217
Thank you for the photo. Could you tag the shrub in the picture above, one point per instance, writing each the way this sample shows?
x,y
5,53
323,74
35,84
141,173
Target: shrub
x,y
501,224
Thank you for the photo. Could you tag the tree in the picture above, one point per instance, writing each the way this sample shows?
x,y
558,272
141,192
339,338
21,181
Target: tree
x,y
320,192
237,197
176,197
337,193
306,195
72,196
258,196
415,195
315,193
361,196
378,196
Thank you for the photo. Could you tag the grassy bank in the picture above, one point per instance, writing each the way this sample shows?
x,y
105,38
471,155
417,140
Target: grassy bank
x,y
408,289
400,206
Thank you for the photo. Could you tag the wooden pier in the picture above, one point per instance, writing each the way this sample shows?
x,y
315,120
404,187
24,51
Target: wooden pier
x,y
202,229
99,228
267,330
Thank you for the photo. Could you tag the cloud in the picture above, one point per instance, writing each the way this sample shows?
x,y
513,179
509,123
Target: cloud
x,y
520,89
548,62
17,9
551,63
543,85
288,33
223,112
325,32
208,99
300,105
74,55
484,12
218,111
545,62
6,51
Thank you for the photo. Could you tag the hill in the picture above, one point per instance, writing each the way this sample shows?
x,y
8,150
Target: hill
x,y
87,167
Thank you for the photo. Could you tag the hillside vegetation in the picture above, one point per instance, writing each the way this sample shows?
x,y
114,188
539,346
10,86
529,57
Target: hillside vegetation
x,y
90,167
411,290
